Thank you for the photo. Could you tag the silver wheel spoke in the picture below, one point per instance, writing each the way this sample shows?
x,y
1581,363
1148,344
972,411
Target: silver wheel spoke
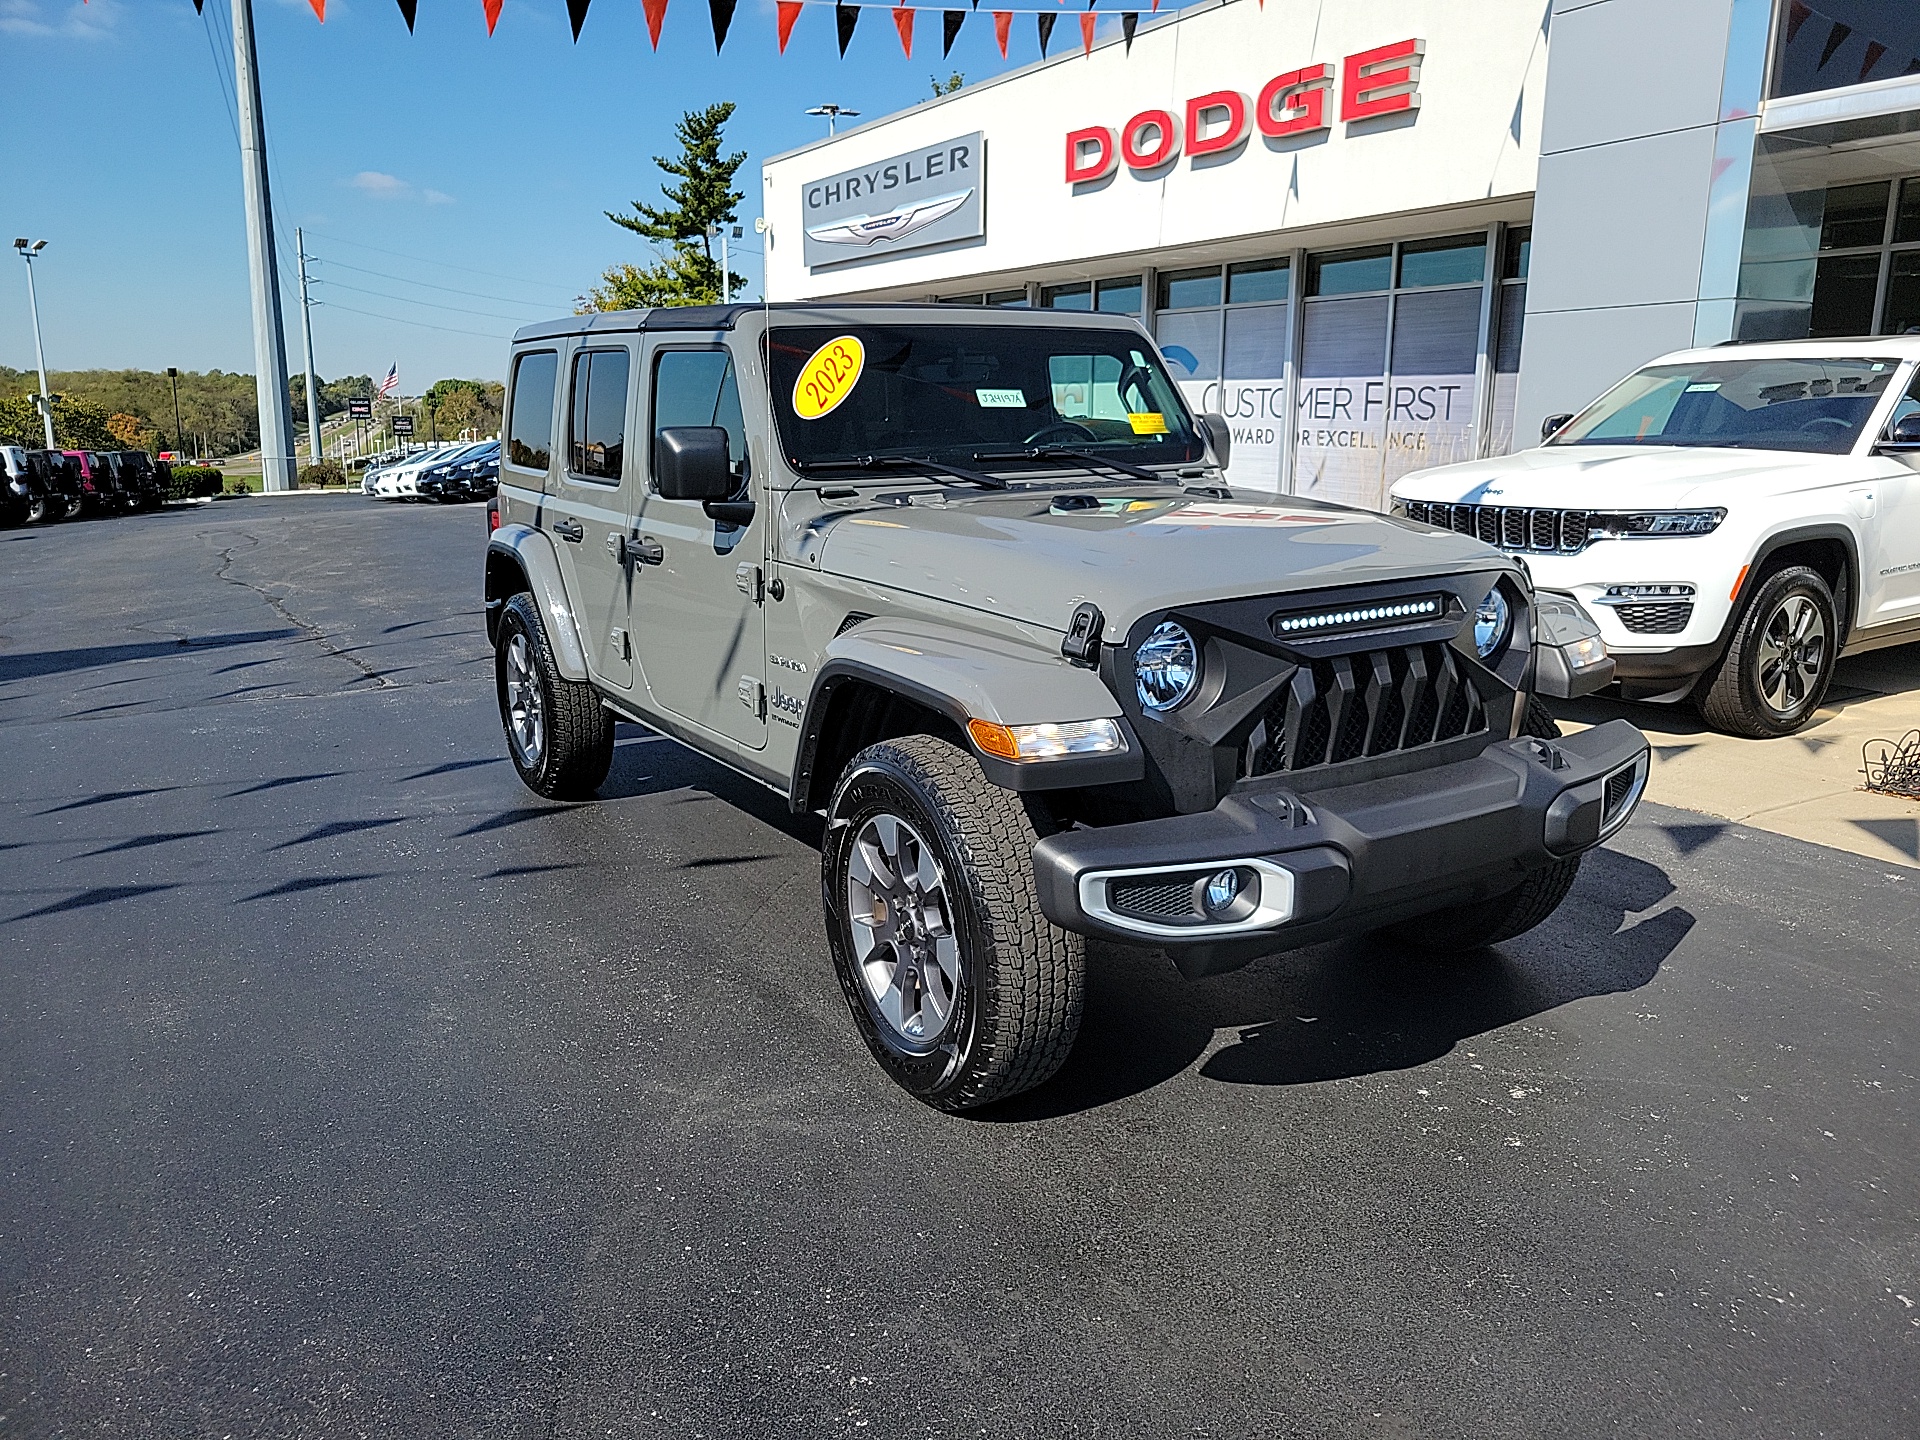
x,y
902,930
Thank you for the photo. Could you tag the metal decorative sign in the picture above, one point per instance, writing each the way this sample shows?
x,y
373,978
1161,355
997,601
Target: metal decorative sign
x,y
931,196
403,425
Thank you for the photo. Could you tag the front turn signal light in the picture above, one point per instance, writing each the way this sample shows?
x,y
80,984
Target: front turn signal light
x,y
1049,740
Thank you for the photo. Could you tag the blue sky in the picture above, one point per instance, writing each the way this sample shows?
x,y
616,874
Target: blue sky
x,y
484,163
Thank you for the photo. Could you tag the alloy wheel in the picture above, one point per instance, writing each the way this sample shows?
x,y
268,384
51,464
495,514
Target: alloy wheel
x,y
526,706
1792,654
902,927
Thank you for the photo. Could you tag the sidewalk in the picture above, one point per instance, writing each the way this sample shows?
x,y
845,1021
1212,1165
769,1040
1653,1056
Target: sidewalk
x,y
1806,785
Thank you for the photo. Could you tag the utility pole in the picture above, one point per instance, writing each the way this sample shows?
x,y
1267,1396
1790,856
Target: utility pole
x,y
306,338
45,398
269,334
173,383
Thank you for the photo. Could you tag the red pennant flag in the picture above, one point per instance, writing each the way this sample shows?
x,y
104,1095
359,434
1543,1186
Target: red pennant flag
x,y
320,9
492,7
1156,6
1002,23
656,15
903,22
789,12
1086,32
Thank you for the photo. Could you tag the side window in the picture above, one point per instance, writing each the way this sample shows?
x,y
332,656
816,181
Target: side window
x,y
530,429
597,415
698,387
1908,404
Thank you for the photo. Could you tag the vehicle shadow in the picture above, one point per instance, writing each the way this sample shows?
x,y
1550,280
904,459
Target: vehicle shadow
x,y
1355,1007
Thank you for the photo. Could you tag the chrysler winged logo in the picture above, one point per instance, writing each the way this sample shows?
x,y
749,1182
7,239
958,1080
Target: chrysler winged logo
x,y
896,224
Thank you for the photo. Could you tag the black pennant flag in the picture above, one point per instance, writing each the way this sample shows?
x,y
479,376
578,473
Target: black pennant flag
x,y
1129,22
407,8
577,12
950,24
722,20
1045,21
198,3
845,17
1836,37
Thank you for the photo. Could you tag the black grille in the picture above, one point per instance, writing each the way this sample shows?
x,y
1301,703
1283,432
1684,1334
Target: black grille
x,y
1511,527
1352,706
1619,787
1147,899
1668,617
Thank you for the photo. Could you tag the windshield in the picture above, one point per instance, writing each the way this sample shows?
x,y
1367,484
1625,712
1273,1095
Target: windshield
x,y
967,392
1818,406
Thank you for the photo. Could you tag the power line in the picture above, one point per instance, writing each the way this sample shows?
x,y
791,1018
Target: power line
x,y
442,264
409,300
418,324
408,280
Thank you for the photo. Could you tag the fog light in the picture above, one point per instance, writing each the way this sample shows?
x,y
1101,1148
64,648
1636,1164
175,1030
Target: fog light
x,y
1222,889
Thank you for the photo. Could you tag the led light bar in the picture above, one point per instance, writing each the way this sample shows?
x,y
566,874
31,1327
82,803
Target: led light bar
x,y
1427,607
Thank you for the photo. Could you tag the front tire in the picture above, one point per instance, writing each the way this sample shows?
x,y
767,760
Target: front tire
x,y
1779,663
962,988
559,736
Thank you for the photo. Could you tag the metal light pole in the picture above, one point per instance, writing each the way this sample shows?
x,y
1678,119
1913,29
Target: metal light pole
x,y
173,383
726,265
44,399
269,335
833,113
306,339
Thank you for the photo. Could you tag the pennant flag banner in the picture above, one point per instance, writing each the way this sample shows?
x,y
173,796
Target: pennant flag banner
x,y
492,7
407,8
845,17
320,9
1044,23
1002,25
1129,22
903,22
789,12
722,21
656,16
950,23
577,12
1087,20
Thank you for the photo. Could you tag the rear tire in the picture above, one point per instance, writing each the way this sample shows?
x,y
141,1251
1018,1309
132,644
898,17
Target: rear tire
x,y
1463,929
1779,663
962,988
559,735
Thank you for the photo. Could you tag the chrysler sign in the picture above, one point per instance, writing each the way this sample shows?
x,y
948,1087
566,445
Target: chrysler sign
x,y
1373,84
930,196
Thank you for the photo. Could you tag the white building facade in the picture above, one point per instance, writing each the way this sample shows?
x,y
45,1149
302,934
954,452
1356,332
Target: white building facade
x,y
1384,234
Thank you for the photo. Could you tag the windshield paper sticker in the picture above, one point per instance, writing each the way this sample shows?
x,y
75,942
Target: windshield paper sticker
x,y
828,377
1151,423
1001,399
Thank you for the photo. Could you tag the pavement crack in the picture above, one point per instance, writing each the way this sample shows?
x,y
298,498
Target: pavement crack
x,y
314,632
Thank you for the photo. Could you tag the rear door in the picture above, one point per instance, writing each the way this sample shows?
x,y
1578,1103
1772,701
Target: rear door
x,y
589,507
698,621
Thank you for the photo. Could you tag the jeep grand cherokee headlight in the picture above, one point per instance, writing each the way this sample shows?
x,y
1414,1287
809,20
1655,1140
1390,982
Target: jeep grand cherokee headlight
x,y
1646,524
1492,623
1166,667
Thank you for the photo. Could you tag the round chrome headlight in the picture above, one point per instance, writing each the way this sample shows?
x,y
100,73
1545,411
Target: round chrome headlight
x,y
1492,623
1166,667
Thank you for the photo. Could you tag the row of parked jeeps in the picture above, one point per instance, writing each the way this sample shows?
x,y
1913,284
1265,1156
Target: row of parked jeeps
x,y
47,485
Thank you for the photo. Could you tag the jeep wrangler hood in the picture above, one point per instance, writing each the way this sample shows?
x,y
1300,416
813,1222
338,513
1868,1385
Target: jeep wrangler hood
x,y
1034,557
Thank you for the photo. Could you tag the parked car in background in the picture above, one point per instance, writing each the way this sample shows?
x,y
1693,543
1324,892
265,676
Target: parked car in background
x,y
139,481
100,492
402,482
17,490
469,474
1734,520
56,475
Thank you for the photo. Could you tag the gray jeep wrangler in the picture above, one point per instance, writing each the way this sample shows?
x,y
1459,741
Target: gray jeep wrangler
x,y
971,585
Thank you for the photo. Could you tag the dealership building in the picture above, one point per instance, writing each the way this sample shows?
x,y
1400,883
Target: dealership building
x,y
1384,234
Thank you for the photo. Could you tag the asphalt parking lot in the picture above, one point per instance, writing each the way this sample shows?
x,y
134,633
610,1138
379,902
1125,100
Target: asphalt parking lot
x,y
348,1089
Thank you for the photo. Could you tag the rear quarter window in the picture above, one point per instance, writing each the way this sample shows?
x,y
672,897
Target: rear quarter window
x,y
530,419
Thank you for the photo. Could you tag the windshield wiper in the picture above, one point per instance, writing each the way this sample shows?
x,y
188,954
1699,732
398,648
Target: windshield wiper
x,y
908,462
1076,457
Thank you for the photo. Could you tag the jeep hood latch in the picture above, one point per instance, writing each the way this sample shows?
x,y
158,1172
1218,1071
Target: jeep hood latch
x,y
1082,645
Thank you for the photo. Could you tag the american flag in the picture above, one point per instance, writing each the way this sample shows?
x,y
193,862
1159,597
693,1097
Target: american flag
x,y
391,383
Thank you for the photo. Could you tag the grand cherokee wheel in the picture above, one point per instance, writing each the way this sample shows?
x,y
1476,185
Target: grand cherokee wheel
x,y
1466,928
960,986
559,735
1780,660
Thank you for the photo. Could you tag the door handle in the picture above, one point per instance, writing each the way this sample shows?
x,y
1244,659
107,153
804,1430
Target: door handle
x,y
644,551
569,530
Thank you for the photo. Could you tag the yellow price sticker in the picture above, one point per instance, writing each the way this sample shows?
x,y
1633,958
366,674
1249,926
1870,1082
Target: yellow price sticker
x,y
828,377
1151,423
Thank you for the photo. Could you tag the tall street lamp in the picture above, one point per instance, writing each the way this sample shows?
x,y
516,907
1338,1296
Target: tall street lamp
x,y
173,383
29,249
833,113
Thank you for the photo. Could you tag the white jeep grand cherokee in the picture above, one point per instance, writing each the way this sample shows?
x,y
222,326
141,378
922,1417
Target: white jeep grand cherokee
x,y
1733,519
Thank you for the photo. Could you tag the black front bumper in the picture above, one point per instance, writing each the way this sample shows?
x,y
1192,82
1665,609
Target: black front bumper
x,y
1355,857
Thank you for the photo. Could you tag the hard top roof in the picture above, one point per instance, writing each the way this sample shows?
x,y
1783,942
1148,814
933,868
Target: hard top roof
x,y
725,317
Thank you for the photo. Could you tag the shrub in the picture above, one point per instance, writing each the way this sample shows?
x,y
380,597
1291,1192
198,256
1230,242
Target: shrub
x,y
322,474
191,482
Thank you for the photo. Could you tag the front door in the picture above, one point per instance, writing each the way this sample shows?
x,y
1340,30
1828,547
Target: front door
x,y
698,625
589,512
1890,536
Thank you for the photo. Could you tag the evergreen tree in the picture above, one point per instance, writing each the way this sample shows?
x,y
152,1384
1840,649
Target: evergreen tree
x,y
686,272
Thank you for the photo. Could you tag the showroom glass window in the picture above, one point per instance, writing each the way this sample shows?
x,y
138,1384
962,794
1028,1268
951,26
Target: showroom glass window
x,y
1837,43
1509,323
1867,275
530,423
597,415
1117,296
1225,333
1390,340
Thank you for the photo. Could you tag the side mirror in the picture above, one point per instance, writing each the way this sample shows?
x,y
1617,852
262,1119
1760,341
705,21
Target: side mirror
x,y
1553,424
1904,434
1213,429
690,462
